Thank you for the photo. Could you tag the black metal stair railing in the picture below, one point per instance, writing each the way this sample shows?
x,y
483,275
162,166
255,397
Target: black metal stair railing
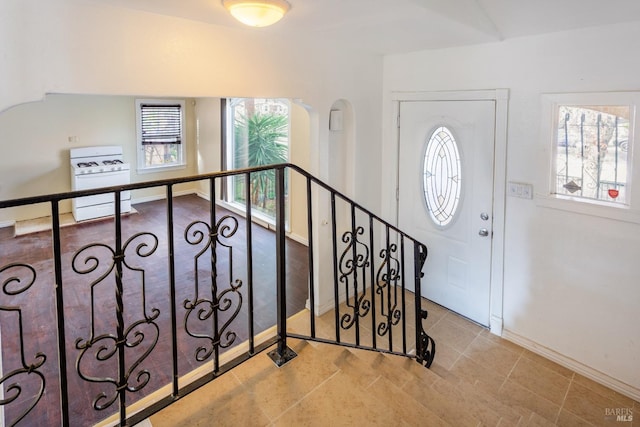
x,y
370,260
138,316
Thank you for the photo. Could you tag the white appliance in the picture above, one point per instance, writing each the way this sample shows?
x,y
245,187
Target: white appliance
x,y
97,167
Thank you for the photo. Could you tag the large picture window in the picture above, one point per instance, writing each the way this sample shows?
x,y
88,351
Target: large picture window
x,y
160,125
257,135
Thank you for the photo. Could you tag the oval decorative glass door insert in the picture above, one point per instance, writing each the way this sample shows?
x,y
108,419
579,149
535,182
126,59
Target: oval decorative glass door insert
x,y
441,181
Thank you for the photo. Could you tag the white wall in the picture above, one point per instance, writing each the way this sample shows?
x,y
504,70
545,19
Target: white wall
x,y
570,281
299,154
208,141
36,138
208,134
74,46
86,47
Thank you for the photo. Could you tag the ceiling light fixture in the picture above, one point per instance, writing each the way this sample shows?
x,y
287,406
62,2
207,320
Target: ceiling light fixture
x,y
257,13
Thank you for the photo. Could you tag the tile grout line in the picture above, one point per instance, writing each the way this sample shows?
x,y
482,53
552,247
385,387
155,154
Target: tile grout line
x,y
543,397
305,396
242,385
463,352
564,399
470,342
506,378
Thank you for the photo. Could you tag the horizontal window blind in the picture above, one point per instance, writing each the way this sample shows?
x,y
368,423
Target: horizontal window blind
x,y
161,124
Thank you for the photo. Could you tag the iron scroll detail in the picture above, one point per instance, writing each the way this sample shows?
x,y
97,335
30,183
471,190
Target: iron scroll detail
x,y
108,345
425,345
387,280
355,256
202,308
13,286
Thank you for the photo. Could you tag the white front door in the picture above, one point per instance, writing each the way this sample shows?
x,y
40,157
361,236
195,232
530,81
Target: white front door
x,y
445,198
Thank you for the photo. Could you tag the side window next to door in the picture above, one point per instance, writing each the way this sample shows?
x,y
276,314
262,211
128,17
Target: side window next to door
x,y
590,138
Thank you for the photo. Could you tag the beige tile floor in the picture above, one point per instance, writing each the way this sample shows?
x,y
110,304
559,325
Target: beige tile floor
x,y
477,379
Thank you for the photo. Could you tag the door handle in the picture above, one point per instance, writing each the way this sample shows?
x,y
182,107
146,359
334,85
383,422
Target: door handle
x,y
483,232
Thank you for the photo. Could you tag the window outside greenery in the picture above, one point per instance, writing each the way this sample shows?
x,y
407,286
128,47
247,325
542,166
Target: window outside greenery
x,y
260,137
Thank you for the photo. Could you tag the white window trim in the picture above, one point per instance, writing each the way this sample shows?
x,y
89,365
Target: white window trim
x,y
546,197
232,204
141,167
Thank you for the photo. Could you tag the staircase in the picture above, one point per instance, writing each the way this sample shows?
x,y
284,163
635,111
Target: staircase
x,y
131,356
478,379
324,385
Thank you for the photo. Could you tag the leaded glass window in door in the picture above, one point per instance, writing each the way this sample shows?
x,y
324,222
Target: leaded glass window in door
x,y
442,179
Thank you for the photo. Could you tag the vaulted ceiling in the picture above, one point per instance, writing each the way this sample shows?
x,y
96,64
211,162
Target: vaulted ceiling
x,y
396,26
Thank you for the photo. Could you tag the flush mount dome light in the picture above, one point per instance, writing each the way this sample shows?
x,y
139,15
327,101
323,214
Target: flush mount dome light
x,y
257,13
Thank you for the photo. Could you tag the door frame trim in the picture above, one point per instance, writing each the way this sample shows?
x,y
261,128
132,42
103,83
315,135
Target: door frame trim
x,y
501,99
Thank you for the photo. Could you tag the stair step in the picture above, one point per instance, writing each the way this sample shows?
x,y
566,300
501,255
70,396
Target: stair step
x,y
384,366
482,405
337,402
451,410
379,377
406,387
352,366
405,406
446,397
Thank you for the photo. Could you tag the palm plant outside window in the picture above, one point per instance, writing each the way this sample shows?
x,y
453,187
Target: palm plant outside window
x,y
260,137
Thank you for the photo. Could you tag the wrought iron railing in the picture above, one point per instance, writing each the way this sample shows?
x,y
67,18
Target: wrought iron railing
x,y
133,319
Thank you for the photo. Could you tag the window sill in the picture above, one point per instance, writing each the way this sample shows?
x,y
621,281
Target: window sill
x,y
256,216
161,169
592,208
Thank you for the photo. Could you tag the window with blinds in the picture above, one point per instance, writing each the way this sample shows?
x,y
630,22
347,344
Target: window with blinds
x,y
160,125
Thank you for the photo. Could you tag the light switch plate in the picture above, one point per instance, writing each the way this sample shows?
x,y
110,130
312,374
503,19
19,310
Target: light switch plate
x,y
520,190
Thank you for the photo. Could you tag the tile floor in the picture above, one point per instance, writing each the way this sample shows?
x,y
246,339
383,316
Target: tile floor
x,y
477,379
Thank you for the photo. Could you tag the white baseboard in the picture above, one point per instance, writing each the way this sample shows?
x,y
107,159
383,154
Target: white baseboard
x,y
324,308
256,220
4,224
11,223
222,203
331,304
188,378
299,239
574,365
161,196
495,325
203,194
